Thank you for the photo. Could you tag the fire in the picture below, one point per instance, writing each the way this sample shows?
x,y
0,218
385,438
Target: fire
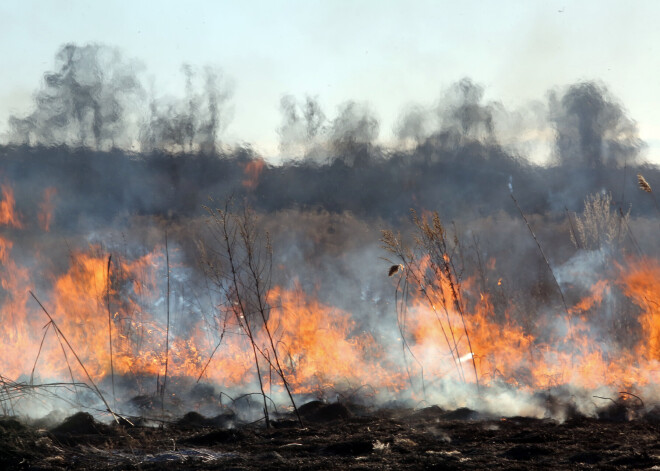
x,y
252,171
15,332
642,284
322,345
46,208
319,347
8,215
568,352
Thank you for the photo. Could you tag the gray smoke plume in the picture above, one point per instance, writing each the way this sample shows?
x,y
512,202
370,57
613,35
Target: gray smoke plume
x,y
190,124
87,101
324,211
303,124
96,99
413,125
305,131
461,111
593,130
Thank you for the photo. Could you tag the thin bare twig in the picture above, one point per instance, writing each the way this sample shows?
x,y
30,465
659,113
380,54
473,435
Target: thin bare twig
x,y
545,259
112,367
248,235
61,334
167,329
222,335
626,393
573,233
239,307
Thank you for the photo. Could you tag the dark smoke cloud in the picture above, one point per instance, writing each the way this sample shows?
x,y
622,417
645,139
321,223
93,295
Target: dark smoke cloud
x,y
413,125
593,129
462,112
597,148
352,134
456,165
306,132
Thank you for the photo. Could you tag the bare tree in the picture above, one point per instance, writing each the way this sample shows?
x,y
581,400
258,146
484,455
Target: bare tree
x,y
191,123
87,101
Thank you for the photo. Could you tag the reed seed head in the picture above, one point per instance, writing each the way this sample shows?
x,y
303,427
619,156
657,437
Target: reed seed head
x,y
394,269
643,184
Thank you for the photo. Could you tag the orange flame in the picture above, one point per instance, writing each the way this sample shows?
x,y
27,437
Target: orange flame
x,y
46,208
505,352
252,171
642,284
323,347
8,215
320,347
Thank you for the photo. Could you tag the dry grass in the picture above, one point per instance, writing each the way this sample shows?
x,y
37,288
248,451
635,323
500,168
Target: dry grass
x,y
600,225
428,267
643,184
240,265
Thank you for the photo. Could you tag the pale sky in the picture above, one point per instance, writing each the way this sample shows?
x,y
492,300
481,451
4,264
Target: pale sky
x,y
388,54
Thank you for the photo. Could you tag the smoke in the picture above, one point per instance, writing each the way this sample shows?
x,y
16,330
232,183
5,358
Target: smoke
x,y
458,117
192,123
353,132
303,126
592,129
463,113
87,101
76,183
96,99
413,125
307,133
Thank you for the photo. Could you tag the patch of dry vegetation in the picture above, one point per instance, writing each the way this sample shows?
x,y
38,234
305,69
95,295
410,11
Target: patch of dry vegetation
x,y
600,225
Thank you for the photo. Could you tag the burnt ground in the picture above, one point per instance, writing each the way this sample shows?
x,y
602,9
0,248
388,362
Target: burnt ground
x,y
335,436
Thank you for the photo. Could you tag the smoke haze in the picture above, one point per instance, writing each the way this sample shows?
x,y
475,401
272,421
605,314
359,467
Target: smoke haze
x,y
103,163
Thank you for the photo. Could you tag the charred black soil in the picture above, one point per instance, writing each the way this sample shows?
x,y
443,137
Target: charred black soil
x,y
337,436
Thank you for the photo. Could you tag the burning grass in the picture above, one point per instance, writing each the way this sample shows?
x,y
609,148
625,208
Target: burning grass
x,y
145,323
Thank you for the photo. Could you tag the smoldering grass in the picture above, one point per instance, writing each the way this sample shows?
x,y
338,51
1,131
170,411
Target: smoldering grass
x,y
480,265
392,243
433,238
66,358
574,238
217,346
599,226
630,234
259,266
229,238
